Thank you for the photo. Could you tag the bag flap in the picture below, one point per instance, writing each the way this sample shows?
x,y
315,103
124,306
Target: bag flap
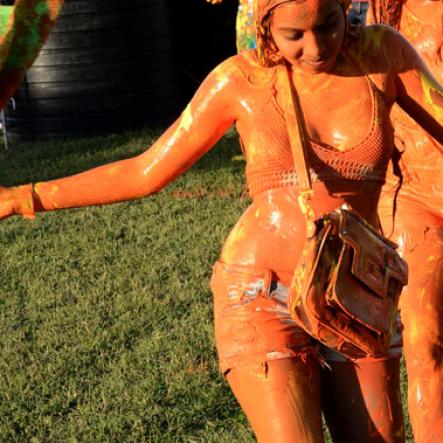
x,y
375,260
360,301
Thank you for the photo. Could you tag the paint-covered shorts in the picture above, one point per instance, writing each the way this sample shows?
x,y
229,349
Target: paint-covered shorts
x,y
253,324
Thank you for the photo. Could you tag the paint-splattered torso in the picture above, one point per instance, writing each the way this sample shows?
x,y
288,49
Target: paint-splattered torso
x,y
351,140
356,146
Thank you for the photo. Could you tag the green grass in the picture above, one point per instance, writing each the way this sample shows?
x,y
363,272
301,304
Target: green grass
x,y
106,314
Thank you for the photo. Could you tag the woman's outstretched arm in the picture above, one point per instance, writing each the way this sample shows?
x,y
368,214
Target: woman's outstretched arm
x,y
211,111
26,30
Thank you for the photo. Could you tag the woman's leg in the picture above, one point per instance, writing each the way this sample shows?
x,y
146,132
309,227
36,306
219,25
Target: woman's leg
x,y
271,364
362,403
281,399
422,316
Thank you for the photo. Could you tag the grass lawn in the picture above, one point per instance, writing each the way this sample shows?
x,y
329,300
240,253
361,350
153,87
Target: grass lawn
x,y
106,314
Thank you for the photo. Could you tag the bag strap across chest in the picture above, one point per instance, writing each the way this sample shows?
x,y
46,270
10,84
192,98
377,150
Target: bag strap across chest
x,y
296,127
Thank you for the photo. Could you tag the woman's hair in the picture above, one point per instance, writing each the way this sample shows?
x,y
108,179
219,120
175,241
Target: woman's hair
x,y
266,49
387,12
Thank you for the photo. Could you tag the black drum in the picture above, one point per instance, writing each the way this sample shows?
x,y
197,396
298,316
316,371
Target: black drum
x,y
107,65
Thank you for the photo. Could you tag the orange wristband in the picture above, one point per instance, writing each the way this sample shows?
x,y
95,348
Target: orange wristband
x,y
23,200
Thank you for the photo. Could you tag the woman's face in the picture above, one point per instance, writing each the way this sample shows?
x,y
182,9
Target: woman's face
x,y
309,33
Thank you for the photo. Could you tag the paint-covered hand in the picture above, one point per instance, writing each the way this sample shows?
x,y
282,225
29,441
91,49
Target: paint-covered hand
x,y
17,201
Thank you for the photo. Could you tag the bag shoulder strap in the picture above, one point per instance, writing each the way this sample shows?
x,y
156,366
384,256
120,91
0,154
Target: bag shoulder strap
x,y
296,127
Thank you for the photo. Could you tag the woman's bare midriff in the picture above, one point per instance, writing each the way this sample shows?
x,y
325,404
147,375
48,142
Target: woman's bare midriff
x,y
271,232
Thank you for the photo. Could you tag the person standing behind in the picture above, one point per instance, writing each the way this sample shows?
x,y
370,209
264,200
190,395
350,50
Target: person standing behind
x,y
418,224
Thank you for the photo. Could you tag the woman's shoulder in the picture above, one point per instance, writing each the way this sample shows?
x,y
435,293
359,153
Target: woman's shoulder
x,y
245,67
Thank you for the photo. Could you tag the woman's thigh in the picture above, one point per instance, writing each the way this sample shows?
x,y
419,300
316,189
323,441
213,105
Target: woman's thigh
x,y
252,319
421,302
281,399
361,401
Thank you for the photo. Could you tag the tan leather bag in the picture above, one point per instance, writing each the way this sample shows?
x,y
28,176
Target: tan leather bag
x,y
347,284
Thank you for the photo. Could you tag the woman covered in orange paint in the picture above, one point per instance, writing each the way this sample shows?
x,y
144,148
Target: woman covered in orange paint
x,y
347,83
418,224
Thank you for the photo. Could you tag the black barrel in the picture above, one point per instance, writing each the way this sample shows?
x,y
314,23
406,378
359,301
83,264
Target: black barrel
x,y
107,65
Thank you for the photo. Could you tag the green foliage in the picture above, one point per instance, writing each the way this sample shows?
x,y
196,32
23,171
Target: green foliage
x,y
106,314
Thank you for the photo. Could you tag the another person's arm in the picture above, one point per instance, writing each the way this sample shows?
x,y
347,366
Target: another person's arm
x,y
211,111
418,93
26,31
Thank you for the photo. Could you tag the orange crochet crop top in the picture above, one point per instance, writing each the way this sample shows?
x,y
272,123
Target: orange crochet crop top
x,y
271,166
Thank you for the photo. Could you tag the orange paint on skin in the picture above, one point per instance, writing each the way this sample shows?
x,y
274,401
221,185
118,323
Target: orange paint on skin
x,y
111,171
261,350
